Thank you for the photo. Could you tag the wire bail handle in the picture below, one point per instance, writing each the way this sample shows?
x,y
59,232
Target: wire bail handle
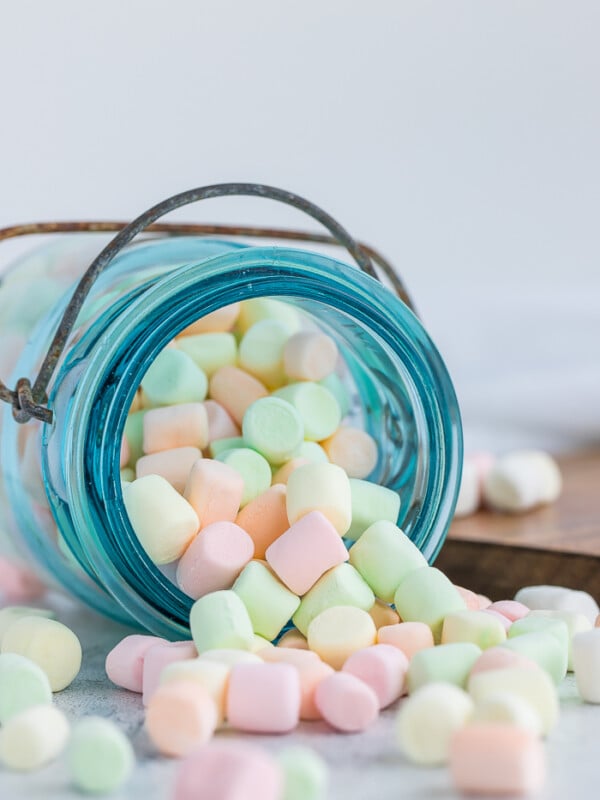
x,y
28,402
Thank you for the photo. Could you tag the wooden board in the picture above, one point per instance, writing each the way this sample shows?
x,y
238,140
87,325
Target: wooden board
x,y
496,554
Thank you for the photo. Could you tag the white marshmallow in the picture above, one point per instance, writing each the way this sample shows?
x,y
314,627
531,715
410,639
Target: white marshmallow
x,y
509,708
469,495
558,598
522,480
33,738
586,662
576,623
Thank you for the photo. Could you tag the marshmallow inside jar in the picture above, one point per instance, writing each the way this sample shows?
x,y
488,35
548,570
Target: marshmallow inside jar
x,y
213,368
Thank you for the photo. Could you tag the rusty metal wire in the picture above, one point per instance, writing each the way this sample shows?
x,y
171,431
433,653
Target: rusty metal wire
x,y
28,402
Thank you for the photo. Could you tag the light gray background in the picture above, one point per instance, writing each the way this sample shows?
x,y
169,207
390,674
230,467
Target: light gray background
x,y
461,138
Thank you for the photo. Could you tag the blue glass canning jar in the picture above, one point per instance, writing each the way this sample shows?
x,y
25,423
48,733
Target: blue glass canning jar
x,y
62,480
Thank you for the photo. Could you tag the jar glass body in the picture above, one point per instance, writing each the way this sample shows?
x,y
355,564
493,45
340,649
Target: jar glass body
x,y
63,482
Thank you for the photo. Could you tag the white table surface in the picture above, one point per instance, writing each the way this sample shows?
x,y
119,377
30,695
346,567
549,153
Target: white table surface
x,y
363,766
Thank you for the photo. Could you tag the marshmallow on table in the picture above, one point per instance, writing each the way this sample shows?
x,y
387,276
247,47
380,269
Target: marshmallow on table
x,y
210,351
383,615
173,378
163,521
309,356
99,757
173,465
214,490
219,620
235,390
353,450
320,487
371,503
180,717
576,623
410,637
273,428
339,631
427,595
223,319
269,603
337,388
124,664
301,555
383,556
264,698
259,308
311,671
48,643
159,656
554,659
428,719
214,559
254,469
305,774
220,424
346,702
317,406
282,474
33,738
586,664
23,684
265,518
491,758
383,668
558,598
261,351
446,663
213,676
483,629
184,425
522,480
509,709
10,614
340,586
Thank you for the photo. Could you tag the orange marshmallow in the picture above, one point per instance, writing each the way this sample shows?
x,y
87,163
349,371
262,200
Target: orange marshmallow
x,y
353,450
410,637
180,717
311,674
235,390
383,615
265,518
220,424
172,465
284,472
219,321
183,425
214,490
293,638
309,356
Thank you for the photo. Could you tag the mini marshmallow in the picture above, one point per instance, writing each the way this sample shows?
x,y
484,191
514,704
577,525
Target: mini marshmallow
x,y
428,719
229,656
23,684
163,521
210,351
219,446
305,774
220,619
558,598
273,428
99,757
446,663
510,609
10,614
426,595
213,676
470,598
469,495
172,465
313,452
318,408
293,638
157,658
258,308
235,390
499,658
175,427
173,378
311,671
522,480
371,504
220,424
383,615
254,469
124,664
223,319
282,474
383,668
479,627
576,623
346,702
320,487
214,490
554,660
410,637
509,709
339,631
586,664
180,717
264,698
309,356
261,351
270,604
33,738
353,450
265,518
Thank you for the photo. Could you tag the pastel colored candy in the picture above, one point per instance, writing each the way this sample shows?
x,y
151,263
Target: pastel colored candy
x,y
260,643
99,757
339,631
49,644
558,598
214,490
273,428
311,671
125,453
173,378
305,774
339,390
210,351
317,406
270,604
258,308
264,698
219,446
509,608
340,586
223,319
219,620
282,474
353,450
346,702
229,770
410,637
301,555
293,638
371,504
320,487
33,738
509,709
172,465
163,521
213,676
426,595
383,668
184,425
522,480
313,452
124,664
265,518
471,599
499,658
261,351
23,684
289,655
309,356
479,627
586,664
428,720
552,657
180,717
384,556
447,663
504,621
220,424
235,390
383,615
491,758
214,559
10,614
158,657
575,622
230,656
253,468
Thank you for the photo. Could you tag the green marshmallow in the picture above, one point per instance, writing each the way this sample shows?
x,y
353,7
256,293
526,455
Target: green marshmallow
x,y
575,622
220,620
446,663
383,556
100,756
274,428
482,629
545,645
337,388
261,351
319,409
304,774
134,433
259,308
174,378
270,604
537,624
23,684
230,443
340,586
313,452
253,468
210,351
371,503
427,595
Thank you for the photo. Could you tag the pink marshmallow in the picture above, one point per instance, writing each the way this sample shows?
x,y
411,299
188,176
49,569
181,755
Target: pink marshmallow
x,y
265,518
214,490
264,698
172,465
470,598
220,424
214,559
305,552
235,390
17,583
501,658
511,609
506,623
410,637
346,702
229,770
124,664
484,602
311,671
383,668
157,658
183,425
